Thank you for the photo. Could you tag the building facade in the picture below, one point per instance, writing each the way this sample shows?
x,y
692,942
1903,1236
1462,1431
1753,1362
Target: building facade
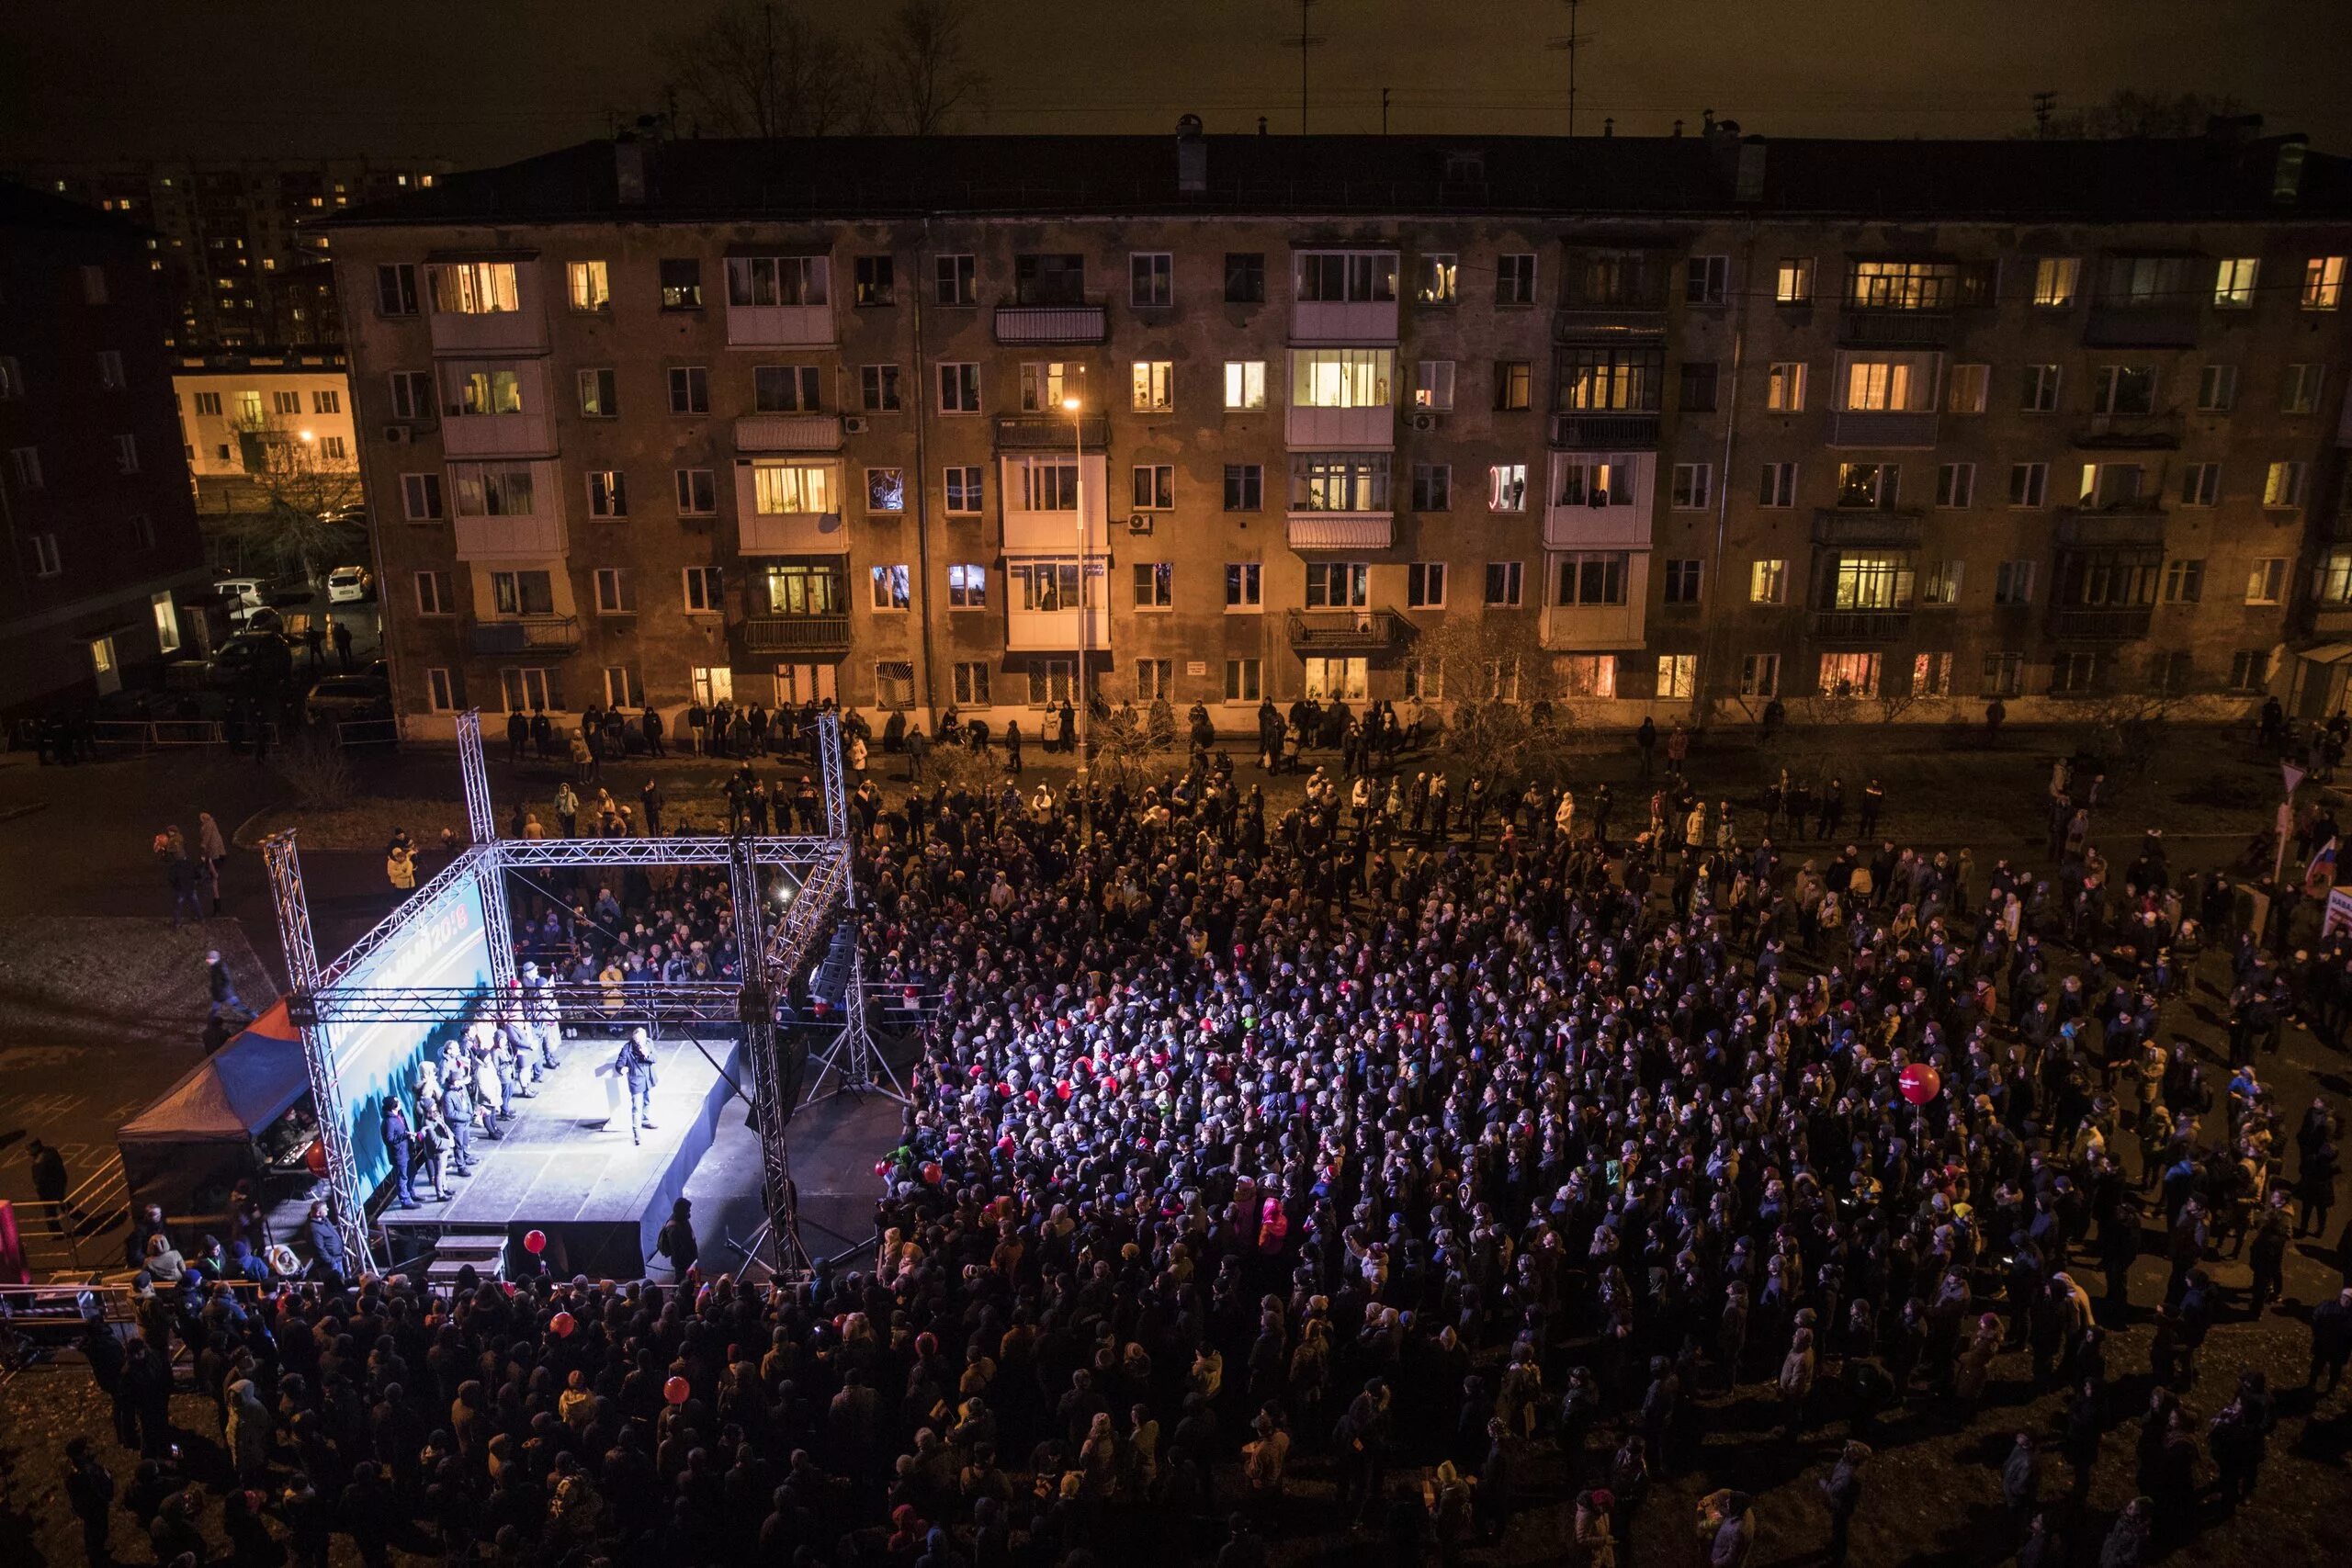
x,y
1663,426
239,269
259,422
105,572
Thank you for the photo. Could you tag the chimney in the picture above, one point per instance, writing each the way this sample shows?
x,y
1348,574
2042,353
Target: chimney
x,y
2287,171
1747,182
1608,126
629,170
1191,157
1677,128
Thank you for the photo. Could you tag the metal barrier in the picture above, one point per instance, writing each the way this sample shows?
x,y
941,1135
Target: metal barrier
x,y
368,732
60,1237
143,735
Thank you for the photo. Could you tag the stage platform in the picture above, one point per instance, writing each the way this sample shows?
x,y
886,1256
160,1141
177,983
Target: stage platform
x,y
567,1165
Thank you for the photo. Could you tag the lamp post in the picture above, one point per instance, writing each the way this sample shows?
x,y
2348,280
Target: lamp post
x,y
1078,443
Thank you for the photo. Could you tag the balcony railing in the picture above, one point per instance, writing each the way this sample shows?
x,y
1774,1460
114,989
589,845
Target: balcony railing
x,y
1355,631
2131,431
1032,431
788,433
527,634
2332,620
2141,326
2103,623
1882,430
491,332
2139,520
1859,626
1574,323
1051,323
1341,530
1894,329
795,634
498,435
1855,528
1604,432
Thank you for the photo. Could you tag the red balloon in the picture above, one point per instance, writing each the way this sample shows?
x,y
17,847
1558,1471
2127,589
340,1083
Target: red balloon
x,y
1921,1083
676,1390
930,1173
563,1323
535,1242
314,1158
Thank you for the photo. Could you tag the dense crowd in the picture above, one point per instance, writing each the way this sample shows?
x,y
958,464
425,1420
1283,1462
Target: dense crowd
x,y
1421,1138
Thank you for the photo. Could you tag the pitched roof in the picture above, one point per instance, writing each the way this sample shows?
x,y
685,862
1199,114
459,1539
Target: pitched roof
x,y
848,177
21,207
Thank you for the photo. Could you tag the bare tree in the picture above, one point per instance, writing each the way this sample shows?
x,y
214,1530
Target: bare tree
x,y
925,76
2131,112
760,68
1501,697
308,500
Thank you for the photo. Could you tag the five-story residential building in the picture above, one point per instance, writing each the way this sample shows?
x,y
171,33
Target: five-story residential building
x,y
1682,423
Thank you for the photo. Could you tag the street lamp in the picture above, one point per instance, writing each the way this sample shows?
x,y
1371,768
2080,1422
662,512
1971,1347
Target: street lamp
x,y
1071,406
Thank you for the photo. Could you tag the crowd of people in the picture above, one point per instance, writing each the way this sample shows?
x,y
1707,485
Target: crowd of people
x,y
1347,1165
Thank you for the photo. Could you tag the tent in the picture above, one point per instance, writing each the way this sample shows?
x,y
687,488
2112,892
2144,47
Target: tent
x,y
187,1149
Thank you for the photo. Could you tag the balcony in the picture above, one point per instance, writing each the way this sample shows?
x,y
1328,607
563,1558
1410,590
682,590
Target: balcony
x,y
532,537
791,534
1605,431
498,435
1854,528
1054,631
1882,431
779,326
2141,326
1318,429
524,331
1894,329
1027,325
2106,622
2130,431
1859,626
1583,323
795,634
527,634
1341,530
1351,320
1346,631
788,433
2139,520
1031,432
2332,621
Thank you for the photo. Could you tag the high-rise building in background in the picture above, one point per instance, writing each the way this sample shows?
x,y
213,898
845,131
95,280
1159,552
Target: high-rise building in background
x,y
1667,427
105,572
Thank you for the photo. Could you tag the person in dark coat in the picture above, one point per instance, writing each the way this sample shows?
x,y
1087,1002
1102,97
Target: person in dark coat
x,y
676,1241
400,1143
2331,1342
328,1260
89,1489
635,1068
1842,1489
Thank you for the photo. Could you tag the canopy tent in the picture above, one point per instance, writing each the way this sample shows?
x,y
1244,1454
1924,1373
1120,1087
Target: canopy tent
x,y
198,1138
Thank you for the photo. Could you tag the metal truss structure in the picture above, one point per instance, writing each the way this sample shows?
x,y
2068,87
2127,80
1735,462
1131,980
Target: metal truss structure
x,y
769,952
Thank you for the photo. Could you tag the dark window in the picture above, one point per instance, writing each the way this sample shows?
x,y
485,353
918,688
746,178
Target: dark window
x,y
1245,486
1432,487
877,281
1049,280
396,290
1245,278
1699,388
682,283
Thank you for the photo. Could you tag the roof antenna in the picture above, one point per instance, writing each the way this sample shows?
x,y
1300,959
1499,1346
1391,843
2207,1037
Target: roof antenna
x,y
1574,42
2045,104
1303,42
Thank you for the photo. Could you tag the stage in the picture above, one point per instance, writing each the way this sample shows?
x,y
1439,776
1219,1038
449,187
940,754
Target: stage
x,y
567,1167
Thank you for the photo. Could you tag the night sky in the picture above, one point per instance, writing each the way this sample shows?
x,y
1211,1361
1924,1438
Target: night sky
x,y
484,81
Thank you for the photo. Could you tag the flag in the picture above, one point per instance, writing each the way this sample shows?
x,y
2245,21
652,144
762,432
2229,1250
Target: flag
x,y
2293,774
2320,876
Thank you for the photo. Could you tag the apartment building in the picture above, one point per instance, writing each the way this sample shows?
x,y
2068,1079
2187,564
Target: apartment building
x,y
227,238
105,573
1682,423
263,415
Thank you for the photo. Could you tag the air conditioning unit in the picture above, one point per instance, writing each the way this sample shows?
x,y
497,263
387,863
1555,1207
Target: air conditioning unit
x,y
396,435
1139,523
854,424
1425,421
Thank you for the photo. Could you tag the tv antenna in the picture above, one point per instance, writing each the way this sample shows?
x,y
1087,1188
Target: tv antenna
x,y
1303,43
1569,45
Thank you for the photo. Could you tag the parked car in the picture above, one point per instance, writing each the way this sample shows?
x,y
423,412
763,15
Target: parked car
x,y
344,698
288,588
254,659
350,584
240,596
